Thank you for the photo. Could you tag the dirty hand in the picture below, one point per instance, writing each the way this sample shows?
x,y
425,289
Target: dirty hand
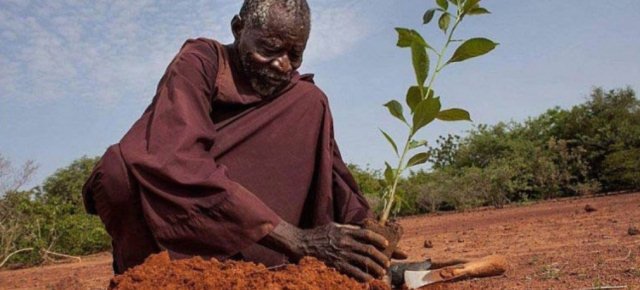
x,y
350,249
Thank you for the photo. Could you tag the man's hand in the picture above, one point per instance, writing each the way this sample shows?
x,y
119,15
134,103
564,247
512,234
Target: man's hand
x,y
350,249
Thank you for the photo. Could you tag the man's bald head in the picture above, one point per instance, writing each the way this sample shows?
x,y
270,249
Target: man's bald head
x,y
270,38
256,13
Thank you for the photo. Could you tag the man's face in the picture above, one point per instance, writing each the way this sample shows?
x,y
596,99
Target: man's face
x,y
270,54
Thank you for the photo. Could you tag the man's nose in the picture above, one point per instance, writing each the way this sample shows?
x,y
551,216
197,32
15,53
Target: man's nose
x,y
282,64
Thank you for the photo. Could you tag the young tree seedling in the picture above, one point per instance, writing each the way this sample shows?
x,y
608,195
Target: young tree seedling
x,y
422,100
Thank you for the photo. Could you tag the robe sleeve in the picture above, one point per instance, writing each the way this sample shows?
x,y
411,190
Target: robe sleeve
x,y
190,203
350,204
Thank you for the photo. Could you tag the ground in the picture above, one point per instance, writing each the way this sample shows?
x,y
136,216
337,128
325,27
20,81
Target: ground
x,y
549,245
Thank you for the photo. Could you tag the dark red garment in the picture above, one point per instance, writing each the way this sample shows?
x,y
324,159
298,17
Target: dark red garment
x,y
211,167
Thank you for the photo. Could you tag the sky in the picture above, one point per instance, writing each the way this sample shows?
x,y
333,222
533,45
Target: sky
x,y
75,75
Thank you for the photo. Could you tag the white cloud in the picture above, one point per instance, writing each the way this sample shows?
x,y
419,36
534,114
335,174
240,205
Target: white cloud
x,y
107,50
335,29
104,50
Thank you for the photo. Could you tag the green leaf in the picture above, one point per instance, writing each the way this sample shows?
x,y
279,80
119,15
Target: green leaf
x,y
388,173
418,159
468,5
426,111
395,147
395,108
420,60
426,18
472,48
478,11
454,2
406,37
417,143
443,4
413,97
444,21
454,115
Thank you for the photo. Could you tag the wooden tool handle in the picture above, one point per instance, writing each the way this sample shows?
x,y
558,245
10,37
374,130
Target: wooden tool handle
x,y
487,266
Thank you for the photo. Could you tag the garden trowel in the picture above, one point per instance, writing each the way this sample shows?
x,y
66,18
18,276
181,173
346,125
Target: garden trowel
x,y
487,266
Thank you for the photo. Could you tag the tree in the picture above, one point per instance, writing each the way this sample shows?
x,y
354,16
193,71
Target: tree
x,y
11,179
42,225
607,124
11,220
66,183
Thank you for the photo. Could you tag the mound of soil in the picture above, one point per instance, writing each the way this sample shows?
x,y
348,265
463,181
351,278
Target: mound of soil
x,y
159,272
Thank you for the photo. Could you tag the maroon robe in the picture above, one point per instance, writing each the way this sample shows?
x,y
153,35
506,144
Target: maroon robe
x,y
211,167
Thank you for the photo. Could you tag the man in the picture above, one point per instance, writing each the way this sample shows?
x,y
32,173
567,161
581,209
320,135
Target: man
x,y
235,158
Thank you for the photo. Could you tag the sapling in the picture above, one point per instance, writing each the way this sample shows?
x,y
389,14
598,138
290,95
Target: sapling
x,y
421,99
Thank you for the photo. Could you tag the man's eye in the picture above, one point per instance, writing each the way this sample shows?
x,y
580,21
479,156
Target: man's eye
x,y
270,50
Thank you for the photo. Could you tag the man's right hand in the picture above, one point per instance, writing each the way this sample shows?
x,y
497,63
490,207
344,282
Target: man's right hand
x,y
350,249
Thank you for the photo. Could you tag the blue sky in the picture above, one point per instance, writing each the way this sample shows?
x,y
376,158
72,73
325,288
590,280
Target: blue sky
x,y
74,75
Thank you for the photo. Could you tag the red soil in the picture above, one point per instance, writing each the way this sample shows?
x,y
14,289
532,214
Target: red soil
x,y
158,272
549,245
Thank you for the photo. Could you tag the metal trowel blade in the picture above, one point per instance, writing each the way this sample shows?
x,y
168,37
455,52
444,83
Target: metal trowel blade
x,y
417,279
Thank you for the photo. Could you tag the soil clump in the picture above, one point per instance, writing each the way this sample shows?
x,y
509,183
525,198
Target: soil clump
x,y
160,272
392,231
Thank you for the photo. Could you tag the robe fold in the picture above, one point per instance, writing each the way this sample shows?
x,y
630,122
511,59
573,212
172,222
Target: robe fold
x,y
211,167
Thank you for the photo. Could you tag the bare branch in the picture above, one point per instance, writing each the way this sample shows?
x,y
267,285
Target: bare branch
x,y
15,252
47,252
5,169
12,179
25,174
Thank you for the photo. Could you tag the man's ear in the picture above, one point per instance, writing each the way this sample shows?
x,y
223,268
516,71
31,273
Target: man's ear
x,y
237,25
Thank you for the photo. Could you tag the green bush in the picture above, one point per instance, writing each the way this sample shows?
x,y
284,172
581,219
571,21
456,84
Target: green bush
x,y
605,126
50,222
65,184
622,169
591,147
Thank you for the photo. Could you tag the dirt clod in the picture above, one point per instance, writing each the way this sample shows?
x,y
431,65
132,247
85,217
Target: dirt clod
x,y
632,231
589,208
392,231
159,272
428,244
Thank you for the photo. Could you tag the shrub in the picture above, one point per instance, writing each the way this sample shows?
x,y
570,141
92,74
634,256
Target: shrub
x,y
65,184
622,169
591,147
50,222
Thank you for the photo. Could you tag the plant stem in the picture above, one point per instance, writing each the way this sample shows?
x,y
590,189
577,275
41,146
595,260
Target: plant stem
x,y
439,65
390,197
392,193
